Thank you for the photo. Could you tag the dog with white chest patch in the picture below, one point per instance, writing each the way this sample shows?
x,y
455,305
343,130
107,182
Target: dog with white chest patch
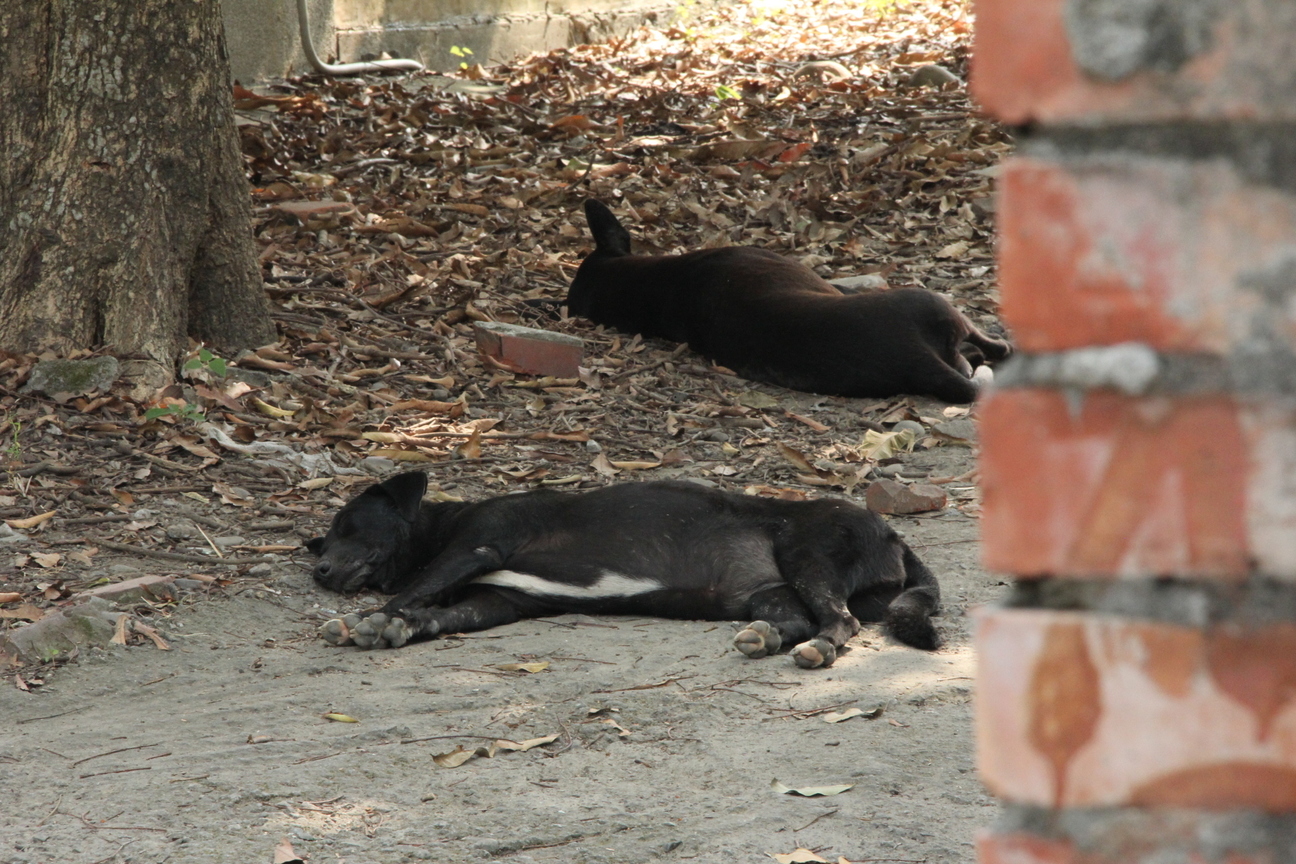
x,y
773,319
804,573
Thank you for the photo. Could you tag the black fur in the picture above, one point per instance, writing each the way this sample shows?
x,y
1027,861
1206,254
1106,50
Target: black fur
x,y
772,319
811,569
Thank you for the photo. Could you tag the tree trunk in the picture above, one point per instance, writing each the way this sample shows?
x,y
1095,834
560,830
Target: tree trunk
x,y
124,212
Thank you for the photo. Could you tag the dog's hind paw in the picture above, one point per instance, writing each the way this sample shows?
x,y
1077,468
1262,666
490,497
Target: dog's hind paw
x,y
815,654
758,639
337,631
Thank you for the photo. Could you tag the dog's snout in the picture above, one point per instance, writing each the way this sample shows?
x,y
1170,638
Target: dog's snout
x,y
322,567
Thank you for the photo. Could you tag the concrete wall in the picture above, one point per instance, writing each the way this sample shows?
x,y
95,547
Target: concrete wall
x,y
263,42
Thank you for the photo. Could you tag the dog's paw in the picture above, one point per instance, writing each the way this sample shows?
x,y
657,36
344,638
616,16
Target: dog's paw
x,y
337,631
397,632
983,377
815,654
758,639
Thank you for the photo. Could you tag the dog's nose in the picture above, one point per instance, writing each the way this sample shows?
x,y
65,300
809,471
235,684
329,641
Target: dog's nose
x,y
322,568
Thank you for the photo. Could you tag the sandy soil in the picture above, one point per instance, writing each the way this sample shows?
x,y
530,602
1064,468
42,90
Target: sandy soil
x,y
668,739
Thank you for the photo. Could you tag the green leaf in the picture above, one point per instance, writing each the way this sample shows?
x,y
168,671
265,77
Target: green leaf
x,y
192,364
217,366
724,91
204,355
154,413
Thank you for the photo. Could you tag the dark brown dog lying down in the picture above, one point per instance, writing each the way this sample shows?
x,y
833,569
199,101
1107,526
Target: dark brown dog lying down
x,y
772,319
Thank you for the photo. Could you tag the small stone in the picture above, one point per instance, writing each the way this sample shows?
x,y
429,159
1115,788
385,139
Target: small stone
x,y
855,284
890,470
139,588
718,435
58,633
261,570
593,446
225,542
181,531
889,496
913,426
932,76
962,430
120,570
9,535
72,377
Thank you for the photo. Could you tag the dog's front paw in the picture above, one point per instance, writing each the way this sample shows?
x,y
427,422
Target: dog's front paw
x,y
337,631
815,654
758,639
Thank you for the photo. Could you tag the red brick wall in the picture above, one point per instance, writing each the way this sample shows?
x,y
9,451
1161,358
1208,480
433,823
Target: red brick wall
x,y
1137,695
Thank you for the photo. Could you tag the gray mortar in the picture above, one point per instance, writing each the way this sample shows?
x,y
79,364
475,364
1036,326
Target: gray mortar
x,y
1181,834
1255,369
1257,601
1262,153
1114,39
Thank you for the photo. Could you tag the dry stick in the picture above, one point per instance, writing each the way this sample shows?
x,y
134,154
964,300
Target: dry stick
x,y
448,737
816,819
121,750
51,717
680,349
95,520
175,556
119,771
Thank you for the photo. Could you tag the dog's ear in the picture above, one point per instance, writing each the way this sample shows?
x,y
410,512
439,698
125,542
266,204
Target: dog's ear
x,y
406,490
315,545
610,236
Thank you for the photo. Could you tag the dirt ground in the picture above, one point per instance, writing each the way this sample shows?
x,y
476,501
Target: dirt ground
x,y
668,739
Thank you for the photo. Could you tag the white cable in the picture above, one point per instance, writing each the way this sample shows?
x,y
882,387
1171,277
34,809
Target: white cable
x,y
346,68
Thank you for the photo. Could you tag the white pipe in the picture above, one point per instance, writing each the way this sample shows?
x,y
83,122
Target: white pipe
x,y
346,68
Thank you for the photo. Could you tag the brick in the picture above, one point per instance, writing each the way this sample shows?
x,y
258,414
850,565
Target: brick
x,y
1117,486
1024,848
1134,61
1182,255
1084,710
528,350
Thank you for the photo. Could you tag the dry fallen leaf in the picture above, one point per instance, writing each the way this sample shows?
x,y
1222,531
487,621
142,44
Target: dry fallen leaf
x,y
523,667
884,445
10,596
26,612
30,521
798,856
523,746
340,718
636,466
835,717
284,854
796,457
810,791
47,559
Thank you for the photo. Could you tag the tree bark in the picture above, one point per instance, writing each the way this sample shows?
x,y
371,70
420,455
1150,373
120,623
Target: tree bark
x,y
124,212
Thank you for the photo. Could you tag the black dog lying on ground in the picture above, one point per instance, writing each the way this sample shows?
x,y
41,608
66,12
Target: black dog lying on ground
x,y
803,572
772,319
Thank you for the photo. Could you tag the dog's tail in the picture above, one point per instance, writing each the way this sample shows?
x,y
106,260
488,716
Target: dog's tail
x,y
610,237
908,617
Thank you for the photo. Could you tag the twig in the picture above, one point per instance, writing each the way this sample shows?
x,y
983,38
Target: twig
x,y
120,750
219,553
51,716
680,349
810,712
817,818
448,737
176,556
119,771
665,683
